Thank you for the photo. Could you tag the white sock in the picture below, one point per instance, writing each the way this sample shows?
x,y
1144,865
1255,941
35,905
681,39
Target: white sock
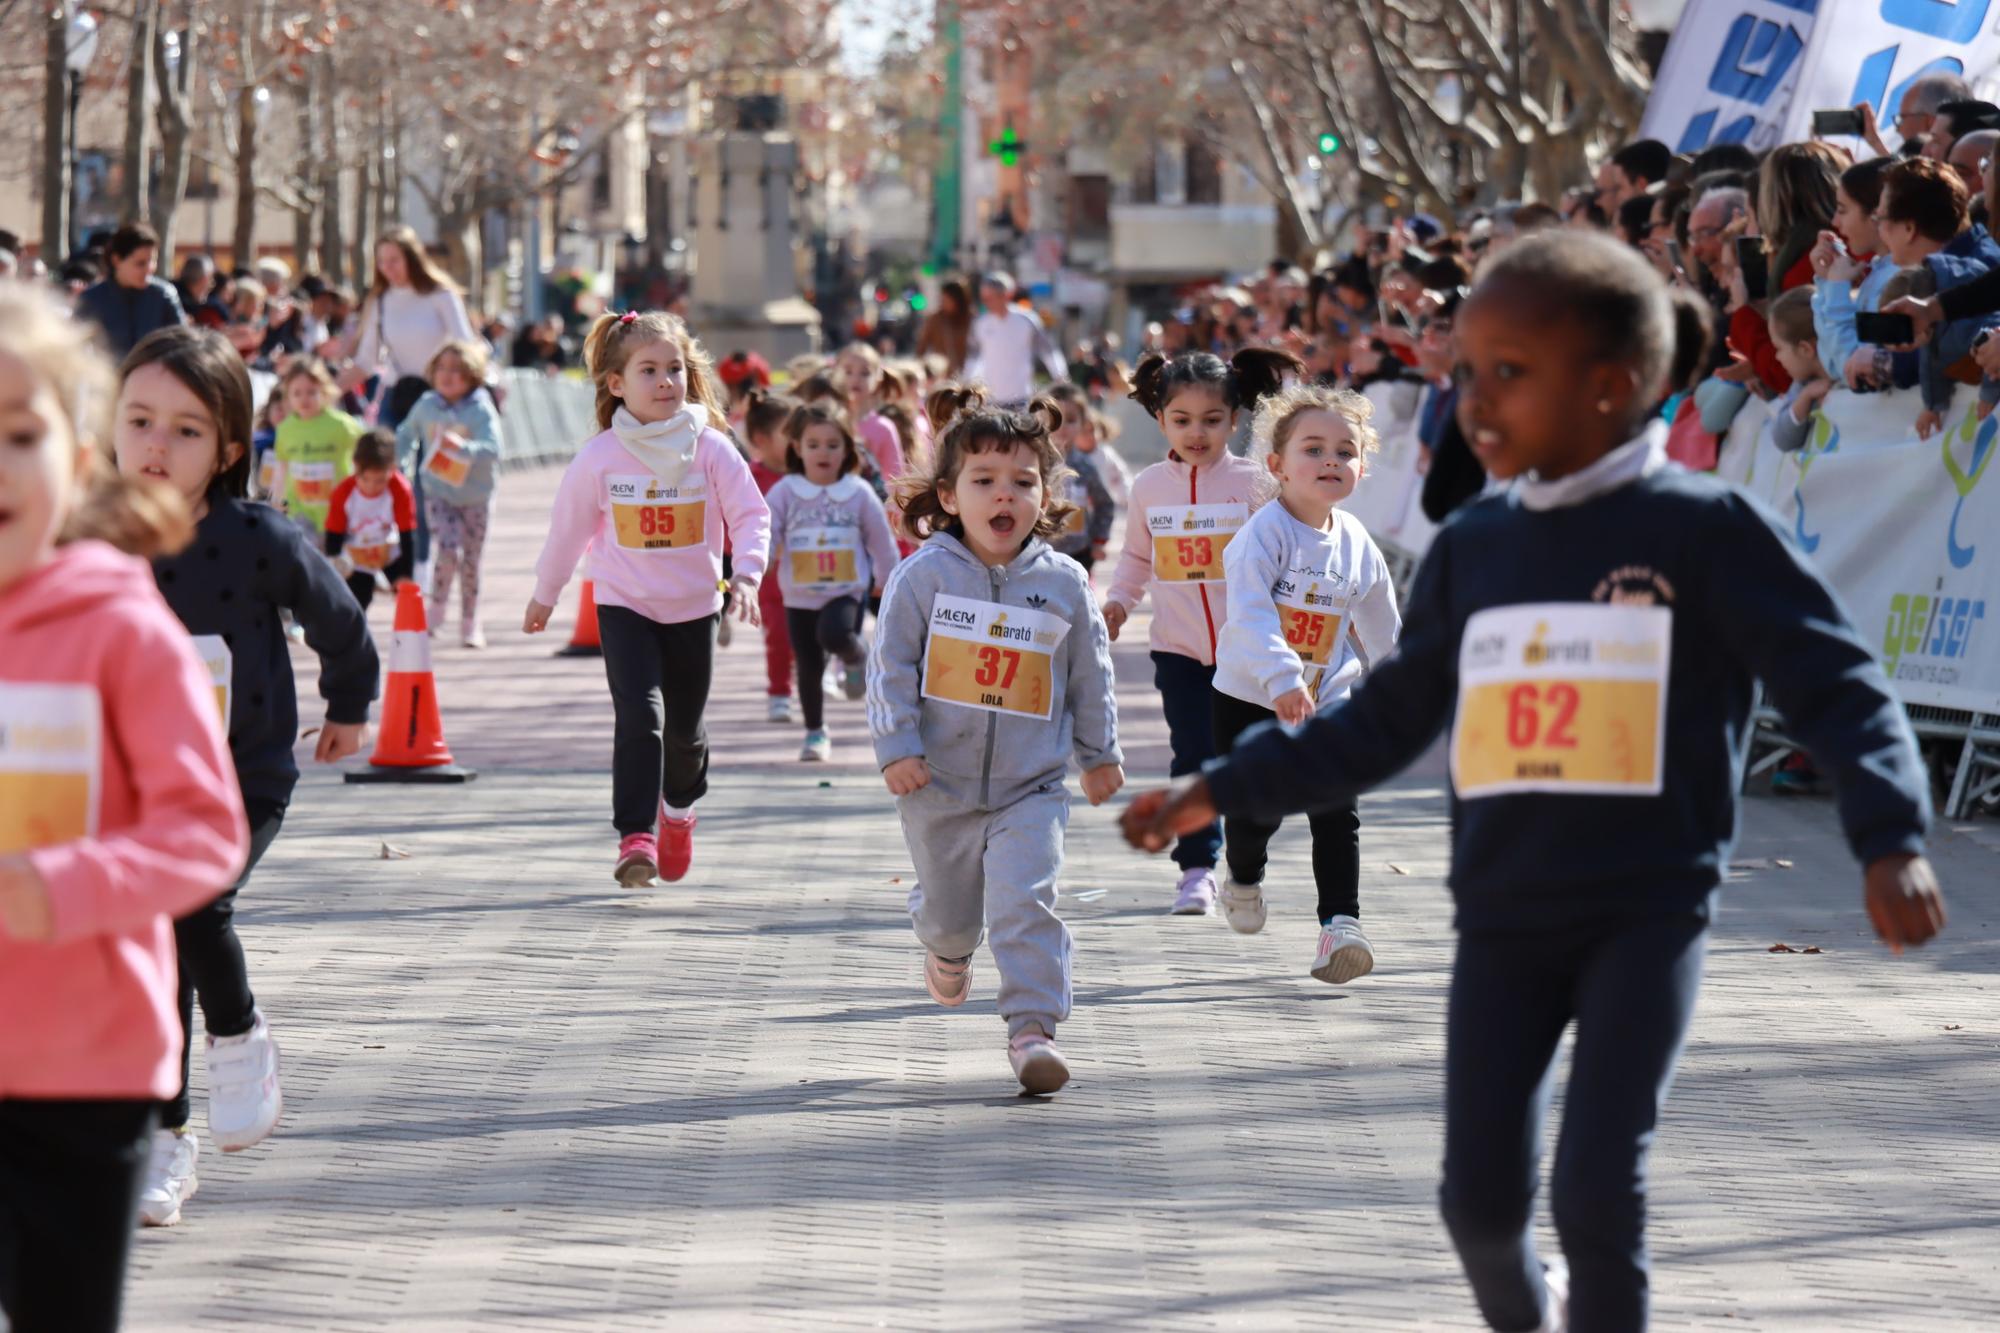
x,y
676,812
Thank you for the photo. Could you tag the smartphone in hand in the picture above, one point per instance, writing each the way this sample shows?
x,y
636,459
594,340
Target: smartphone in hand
x,y
1839,123
1884,330
1755,266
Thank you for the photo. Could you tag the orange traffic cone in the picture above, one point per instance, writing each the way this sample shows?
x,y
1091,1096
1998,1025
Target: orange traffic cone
x,y
410,745
583,640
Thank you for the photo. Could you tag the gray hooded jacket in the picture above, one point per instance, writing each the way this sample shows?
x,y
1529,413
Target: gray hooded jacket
x,y
982,758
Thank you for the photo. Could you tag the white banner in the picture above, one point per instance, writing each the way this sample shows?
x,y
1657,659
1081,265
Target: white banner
x,y
1870,51
1731,69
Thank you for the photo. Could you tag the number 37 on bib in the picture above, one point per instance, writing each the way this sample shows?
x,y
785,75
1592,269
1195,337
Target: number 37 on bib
x,y
1562,697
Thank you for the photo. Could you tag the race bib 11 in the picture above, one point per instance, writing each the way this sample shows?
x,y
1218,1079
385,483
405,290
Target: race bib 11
x,y
647,515
824,557
216,657
1188,540
992,657
50,740
1566,697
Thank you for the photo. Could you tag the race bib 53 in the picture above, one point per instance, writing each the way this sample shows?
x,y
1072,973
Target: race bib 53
x,y
992,657
1564,697
647,515
49,747
1188,540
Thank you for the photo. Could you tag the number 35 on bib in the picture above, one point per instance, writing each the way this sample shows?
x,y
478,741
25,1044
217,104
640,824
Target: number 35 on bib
x,y
1563,697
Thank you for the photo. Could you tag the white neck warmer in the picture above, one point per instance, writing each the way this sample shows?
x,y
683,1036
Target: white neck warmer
x,y
1642,456
665,447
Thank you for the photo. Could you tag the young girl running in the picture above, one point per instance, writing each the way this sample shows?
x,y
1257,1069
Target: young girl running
x,y
1094,437
313,444
1593,634
639,495
990,669
1087,530
831,543
183,419
117,813
764,417
859,368
1307,589
451,439
1184,512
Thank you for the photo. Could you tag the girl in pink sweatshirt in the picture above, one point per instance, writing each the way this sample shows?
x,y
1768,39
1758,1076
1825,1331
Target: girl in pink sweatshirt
x,y
859,370
650,497
118,812
1183,513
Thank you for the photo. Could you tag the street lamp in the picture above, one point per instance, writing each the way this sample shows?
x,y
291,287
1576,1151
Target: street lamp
x,y
78,51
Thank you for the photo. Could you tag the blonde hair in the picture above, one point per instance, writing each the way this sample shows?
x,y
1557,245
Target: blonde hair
x,y
471,355
967,426
141,518
1278,416
614,338
309,368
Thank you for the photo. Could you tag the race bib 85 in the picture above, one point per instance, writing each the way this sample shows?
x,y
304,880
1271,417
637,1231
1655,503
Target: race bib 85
x,y
647,515
997,658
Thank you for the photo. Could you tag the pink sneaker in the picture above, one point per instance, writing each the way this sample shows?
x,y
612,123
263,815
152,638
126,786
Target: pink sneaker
x,y
948,982
676,846
1037,1063
1196,895
638,860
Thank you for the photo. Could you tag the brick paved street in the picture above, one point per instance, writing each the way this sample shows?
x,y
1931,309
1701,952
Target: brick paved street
x,y
519,1096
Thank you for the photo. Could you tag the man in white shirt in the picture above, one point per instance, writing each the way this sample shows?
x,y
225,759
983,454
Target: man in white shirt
x,y
1006,343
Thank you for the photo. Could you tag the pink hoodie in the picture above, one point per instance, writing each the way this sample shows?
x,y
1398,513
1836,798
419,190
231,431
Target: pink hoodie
x,y
654,550
90,646
1187,614
878,435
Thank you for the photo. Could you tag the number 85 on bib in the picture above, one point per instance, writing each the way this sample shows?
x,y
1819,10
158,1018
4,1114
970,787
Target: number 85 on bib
x,y
1562,697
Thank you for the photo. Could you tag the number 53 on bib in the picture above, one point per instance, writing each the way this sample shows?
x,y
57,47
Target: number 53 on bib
x,y
1562,697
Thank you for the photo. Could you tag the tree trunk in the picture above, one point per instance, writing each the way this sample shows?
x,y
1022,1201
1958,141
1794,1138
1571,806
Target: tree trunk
x,y
243,246
361,238
176,132
304,234
55,137
138,92
458,233
332,250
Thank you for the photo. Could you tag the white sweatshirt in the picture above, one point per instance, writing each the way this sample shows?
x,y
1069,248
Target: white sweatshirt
x,y
1300,600
409,328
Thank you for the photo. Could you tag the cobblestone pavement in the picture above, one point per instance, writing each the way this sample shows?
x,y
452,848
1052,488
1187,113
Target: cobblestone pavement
x,y
519,1096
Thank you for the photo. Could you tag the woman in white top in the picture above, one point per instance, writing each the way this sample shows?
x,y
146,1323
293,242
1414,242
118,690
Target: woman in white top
x,y
411,311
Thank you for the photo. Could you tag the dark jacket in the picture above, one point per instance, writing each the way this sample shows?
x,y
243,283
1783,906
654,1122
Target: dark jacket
x,y
127,314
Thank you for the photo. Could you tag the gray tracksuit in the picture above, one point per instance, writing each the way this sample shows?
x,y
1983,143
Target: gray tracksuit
x,y
986,835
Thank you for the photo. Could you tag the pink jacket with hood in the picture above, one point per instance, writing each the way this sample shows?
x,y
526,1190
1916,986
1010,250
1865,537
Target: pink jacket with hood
x,y
1186,616
92,1013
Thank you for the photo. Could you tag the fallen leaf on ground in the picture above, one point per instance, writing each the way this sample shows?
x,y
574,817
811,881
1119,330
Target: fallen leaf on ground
x,y
1953,1027
1781,948
1395,869
1812,948
393,853
895,879
374,1048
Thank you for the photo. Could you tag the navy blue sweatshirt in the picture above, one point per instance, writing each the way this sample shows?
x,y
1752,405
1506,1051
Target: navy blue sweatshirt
x,y
1744,605
248,560
127,314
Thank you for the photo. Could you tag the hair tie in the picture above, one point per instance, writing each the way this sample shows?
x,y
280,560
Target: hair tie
x,y
628,317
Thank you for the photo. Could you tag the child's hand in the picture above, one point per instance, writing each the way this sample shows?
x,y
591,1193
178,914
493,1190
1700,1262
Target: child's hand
x,y
743,591
25,914
537,618
907,775
1928,424
1903,900
337,740
1860,369
1159,816
1293,707
1115,617
1986,354
1100,784
1809,398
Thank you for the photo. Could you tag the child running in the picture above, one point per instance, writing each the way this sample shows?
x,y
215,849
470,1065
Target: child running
x,y
1307,588
371,523
639,496
1185,510
313,445
831,543
1087,530
764,417
990,669
452,441
117,813
1593,634
183,419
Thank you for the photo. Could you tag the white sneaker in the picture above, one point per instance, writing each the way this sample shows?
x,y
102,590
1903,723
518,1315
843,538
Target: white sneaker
x,y
817,749
473,636
244,1101
1243,906
1037,1063
1195,895
779,709
1556,1274
170,1177
833,681
1344,952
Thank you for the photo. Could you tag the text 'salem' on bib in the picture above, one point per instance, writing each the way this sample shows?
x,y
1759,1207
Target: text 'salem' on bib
x,y
49,748
1313,613
215,655
1564,697
449,462
1188,540
824,557
648,515
997,658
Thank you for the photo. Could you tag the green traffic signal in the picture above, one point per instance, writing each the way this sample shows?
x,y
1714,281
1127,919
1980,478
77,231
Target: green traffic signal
x,y
918,301
1329,144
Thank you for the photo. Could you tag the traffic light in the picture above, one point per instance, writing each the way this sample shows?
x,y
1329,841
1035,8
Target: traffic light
x,y
1329,143
917,301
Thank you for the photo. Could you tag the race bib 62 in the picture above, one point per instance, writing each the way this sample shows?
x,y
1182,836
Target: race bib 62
x,y
1188,540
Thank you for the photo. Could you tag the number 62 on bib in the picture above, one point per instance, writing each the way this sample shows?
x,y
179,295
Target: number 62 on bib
x,y
1563,697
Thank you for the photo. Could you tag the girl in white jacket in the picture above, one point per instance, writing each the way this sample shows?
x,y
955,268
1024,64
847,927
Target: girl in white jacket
x,y
1311,606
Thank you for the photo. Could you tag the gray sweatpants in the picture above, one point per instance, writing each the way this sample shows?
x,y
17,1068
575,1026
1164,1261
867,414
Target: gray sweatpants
x,y
996,867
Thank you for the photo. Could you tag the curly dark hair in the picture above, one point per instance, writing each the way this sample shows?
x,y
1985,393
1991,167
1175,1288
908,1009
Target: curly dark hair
x,y
967,426
1252,374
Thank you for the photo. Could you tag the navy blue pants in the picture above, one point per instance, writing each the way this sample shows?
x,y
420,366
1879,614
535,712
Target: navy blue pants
x,y
1186,687
1630,988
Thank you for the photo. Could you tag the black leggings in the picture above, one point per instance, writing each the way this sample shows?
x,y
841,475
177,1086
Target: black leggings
x,y
70,1175
1336,830
832,631
211,959
659,676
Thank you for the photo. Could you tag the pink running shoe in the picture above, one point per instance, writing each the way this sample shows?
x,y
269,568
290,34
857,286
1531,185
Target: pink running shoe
x,y
1037,1063
676,846
638,860
948,982
1196,895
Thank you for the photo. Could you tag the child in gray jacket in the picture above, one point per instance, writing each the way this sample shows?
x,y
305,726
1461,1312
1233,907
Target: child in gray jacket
x,y
990,668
